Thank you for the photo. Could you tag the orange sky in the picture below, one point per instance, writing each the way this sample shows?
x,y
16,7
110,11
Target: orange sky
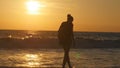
x,y
89,15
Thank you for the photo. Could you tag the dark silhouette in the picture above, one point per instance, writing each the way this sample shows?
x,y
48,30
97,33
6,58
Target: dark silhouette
x,y
65,36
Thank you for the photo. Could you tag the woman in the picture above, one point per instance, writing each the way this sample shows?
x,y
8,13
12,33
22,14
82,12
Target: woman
x,y
65,36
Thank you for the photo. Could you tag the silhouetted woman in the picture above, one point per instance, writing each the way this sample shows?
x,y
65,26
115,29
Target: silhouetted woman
x,y
65,36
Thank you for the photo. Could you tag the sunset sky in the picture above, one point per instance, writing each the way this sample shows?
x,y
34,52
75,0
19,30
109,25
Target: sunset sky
x,y
89,15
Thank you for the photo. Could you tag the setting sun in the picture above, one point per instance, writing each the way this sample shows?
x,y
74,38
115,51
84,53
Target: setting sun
x,y
33,7
89,15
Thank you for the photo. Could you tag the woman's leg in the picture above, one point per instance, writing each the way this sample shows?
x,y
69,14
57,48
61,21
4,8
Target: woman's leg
x,y
68,58
65,57
64,60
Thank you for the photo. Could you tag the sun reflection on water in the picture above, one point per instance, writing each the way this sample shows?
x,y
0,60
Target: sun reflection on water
x,y
33,60
33,64
31,56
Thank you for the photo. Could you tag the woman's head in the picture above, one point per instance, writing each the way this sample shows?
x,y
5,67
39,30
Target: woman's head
x,y
69,18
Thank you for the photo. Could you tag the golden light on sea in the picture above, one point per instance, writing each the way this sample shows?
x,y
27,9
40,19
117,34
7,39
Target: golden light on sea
x,y
33,60
31,56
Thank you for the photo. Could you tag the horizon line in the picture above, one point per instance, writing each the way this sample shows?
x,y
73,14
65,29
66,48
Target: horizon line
x,y
55,30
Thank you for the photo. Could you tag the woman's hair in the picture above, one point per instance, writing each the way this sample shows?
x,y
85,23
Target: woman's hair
x,y
69,18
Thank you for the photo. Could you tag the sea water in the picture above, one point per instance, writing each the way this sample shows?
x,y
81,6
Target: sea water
x,y
20,34
80,58
37,57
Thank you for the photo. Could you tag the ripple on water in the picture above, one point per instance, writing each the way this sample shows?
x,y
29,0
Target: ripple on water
x,y
84,58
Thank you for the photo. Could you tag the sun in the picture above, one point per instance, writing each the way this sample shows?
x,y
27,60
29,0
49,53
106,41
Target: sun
x,y
33,7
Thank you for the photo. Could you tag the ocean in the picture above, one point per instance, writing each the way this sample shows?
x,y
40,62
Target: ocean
x,y
22,48
52,58
22,34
